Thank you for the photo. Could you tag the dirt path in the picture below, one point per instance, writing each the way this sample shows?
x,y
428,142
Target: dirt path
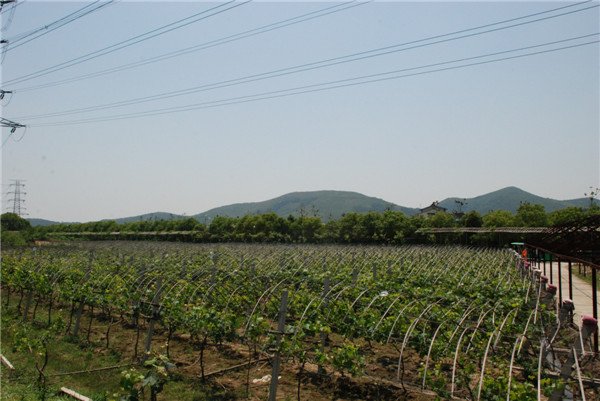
x,y
582,290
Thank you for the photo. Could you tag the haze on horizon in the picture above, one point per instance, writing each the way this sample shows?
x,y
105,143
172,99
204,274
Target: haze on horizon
x,y
407,102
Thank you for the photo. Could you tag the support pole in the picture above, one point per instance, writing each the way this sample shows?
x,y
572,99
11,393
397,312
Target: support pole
x,y
560,298
570,280
277,357
82,301
325,305
155,300
551,273
544,263
595,305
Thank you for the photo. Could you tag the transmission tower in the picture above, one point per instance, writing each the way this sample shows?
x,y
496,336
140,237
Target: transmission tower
x,y
17,201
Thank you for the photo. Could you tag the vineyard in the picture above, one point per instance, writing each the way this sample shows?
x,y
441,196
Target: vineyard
x,y
207,321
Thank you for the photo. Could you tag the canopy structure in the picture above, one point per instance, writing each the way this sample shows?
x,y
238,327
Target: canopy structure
x,y
482,230
578,241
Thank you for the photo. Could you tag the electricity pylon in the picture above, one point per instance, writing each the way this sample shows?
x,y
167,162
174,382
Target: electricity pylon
x,y
17,201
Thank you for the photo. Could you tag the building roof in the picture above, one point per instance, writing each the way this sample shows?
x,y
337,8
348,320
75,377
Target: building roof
x,y
434,207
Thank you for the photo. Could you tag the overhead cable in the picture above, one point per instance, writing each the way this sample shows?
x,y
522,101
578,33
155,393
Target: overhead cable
x,y
299,68
325,86
13,43
206,45
130,42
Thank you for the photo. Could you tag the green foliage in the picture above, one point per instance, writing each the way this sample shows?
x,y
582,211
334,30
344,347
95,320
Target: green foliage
x,y
441,219
133,383
567,215
130,385
495,388
471,219
593,210
211,293
389,227
11,238
498,218
347,358
13,222
16,231
529,215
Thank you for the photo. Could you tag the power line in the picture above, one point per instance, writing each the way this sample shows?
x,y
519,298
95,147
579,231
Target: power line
x,y
22,36
206,45
82,12
361,80
129,42
308,66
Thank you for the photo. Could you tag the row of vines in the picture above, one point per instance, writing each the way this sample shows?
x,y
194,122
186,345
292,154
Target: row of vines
x,y
452,321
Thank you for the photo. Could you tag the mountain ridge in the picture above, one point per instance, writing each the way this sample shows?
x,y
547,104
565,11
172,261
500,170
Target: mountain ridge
x,y
509,199
332,204
327,204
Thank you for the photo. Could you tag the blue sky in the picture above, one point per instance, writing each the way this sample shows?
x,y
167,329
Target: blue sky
x,y
415,126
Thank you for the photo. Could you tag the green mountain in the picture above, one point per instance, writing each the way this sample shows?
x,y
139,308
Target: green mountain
x,y
327,205
330,205
509,199
42,222
149,217
142,217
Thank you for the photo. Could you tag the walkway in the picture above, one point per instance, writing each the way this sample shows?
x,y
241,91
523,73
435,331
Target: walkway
x,y
582,290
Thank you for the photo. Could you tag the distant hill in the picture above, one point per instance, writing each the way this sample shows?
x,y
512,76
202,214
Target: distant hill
x,y
149,217
330,205
509,199
327,205
43,222
142,217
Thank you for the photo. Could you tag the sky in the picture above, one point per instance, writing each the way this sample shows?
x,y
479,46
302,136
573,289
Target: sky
x,y
143,106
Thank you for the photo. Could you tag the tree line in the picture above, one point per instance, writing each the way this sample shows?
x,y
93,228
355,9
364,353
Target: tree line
x,y
389,227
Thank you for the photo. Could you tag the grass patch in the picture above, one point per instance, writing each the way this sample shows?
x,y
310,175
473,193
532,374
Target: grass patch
x,y
586,273
21,346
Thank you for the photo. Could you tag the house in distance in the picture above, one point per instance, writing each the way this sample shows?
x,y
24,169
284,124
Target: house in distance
x,y
431,210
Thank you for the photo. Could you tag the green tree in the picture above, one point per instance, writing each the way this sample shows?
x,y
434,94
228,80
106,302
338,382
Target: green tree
x,y
593,210
16,231
222,228
393,226
13,222
441,219
331,231
307,229
566,215
498,218
414,223
369,227
276,229
529,215
348,227
471,219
